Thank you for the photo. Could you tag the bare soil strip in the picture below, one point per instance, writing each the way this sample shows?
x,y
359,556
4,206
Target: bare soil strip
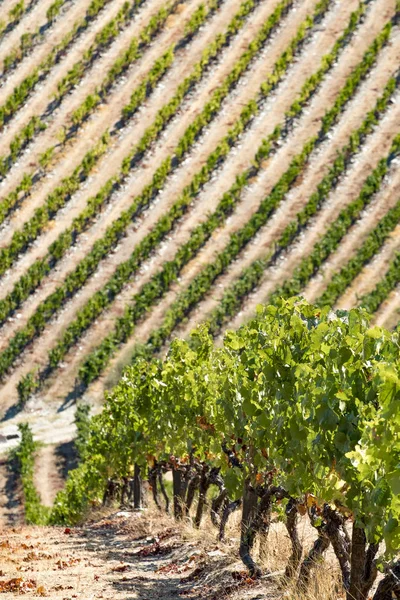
x,y
8,19
48,476
127,555
375,270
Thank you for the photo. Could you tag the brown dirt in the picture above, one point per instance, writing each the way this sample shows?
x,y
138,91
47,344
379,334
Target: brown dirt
x,y
136,555
48,480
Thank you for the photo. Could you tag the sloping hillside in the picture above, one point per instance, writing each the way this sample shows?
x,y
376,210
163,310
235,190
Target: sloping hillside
x,y
167,163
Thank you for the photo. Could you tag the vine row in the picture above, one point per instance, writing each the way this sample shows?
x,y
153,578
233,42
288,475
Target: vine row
x,y
203,281
372,244
53,203
24,456
251,276
30,40
98,359
24,89
140,93
101,248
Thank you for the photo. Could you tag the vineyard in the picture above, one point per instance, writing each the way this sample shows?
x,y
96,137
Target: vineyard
x,y
166,165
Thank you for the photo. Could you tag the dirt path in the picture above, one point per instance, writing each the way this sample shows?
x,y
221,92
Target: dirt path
x,y
48,480
50,424
129,555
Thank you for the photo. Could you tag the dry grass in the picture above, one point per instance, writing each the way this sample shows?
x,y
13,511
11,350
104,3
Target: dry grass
x,y
272,553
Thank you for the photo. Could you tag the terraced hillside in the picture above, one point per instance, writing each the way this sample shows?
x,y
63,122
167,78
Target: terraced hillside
x,y
167,163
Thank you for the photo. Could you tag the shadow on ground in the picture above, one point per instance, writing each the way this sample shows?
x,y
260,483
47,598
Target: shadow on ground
x,y
67,458
12,506
166,573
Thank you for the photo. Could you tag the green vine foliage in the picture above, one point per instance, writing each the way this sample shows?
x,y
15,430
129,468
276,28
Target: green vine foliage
x,y
371,246
310,395
82,422
24,456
